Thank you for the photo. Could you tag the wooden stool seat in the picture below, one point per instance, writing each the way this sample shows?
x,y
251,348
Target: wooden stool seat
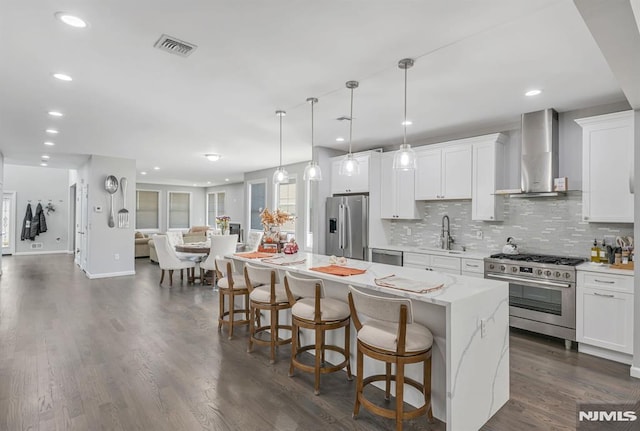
x,y
268,296
389,335
311,310
231,285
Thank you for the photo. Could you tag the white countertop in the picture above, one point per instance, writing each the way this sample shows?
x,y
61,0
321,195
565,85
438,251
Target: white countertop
x,y
603,268
434,250
456,287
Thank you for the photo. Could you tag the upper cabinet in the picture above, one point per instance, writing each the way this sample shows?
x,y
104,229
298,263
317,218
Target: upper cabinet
x,y
488,171
607,167
396,191
359,183
444,172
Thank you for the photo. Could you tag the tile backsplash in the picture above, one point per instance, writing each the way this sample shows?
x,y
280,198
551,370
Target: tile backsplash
x,y
550,225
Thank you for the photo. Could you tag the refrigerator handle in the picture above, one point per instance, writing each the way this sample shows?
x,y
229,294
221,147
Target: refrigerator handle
x,y
341,226
347,232
365,225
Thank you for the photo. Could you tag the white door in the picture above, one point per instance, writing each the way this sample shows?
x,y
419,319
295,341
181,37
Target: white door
x,y
9,223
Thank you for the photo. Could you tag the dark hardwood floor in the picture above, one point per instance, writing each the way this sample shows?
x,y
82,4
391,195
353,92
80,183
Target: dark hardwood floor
x,y
127,354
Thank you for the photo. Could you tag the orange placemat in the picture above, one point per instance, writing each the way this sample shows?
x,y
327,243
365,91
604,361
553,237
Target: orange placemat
x,y
254,255
338,270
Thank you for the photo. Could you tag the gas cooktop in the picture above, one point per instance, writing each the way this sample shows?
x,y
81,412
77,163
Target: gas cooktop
x,y
539,258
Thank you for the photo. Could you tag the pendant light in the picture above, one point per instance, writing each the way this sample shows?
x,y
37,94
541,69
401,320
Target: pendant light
x,y
312,172
280,175
405,158
349,165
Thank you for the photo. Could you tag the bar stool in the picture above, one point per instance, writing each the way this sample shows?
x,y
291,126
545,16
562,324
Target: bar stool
x,y
269,296
230,284
388,334
311,310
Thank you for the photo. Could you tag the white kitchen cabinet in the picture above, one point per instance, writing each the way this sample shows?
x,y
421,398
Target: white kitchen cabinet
x,y
444,172
432,262
488,171
604,315
472,267
359,183
396,191
607,167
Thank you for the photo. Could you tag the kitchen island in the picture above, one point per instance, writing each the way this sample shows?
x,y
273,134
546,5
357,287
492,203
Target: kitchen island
x,y
469,319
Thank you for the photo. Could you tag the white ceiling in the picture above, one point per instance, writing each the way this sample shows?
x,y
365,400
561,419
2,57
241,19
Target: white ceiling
x,y
474,61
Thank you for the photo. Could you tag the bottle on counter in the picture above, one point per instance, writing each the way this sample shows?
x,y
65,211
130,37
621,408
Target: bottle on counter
x,y
604,258
595,251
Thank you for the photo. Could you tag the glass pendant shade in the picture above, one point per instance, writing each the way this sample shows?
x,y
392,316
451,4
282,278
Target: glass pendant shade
x,y
280,176
312,172
349,166
405,158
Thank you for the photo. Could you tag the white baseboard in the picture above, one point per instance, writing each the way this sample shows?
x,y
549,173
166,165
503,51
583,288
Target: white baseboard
x,y
635,372
624,358
31,253
110,274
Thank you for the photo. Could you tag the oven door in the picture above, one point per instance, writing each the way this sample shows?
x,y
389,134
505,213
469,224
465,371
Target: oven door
x,y
543,301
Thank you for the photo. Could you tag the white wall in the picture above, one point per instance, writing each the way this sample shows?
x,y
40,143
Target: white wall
x,y
1,194
234,201
40,185
197,215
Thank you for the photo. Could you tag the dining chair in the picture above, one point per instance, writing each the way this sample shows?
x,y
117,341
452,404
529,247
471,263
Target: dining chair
x,y
387,332
221,246
253,241
168,260
311,309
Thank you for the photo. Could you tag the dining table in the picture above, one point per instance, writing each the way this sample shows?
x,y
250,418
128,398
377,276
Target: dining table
x,y
200,250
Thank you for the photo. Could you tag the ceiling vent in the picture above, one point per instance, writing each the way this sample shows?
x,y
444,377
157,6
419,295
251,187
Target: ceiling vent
x,y
175,46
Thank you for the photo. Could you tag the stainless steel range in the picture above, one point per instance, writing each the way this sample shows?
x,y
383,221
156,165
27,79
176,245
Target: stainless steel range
x,y
542,291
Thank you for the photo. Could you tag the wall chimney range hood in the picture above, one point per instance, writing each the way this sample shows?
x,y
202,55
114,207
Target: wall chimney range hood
x,y
539,155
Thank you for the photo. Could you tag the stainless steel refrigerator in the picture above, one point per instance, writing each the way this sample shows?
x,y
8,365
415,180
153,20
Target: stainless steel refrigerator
x,y
348,226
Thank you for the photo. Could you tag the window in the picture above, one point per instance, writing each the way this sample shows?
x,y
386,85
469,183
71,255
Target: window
x,y
215,207
257,202
286,201
147,209
179,210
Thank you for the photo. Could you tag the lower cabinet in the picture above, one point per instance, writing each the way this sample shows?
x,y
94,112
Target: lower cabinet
x,y
432,262
604,315
472,267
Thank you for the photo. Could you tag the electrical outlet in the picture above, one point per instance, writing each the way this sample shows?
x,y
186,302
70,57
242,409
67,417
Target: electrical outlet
x,y
483,328
116,256
479,234
408,230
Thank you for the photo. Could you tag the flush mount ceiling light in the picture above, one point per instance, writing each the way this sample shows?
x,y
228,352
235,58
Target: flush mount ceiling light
x,y
44,163
213,157
349,165
534,92
63,77
280,175
55,113
405,158
52,131
156,168
312,171
71,20
340,139
49,143
45,157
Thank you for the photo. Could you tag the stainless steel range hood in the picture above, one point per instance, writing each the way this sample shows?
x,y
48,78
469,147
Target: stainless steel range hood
x,y
539,158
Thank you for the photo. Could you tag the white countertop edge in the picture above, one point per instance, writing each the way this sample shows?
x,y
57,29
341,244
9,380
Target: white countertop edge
x,y
603,268
428,250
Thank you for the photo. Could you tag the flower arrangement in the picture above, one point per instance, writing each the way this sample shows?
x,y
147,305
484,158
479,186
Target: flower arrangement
x,y
223,223
274,219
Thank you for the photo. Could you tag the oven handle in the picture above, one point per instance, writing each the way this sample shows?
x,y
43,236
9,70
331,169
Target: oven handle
x,y
527,280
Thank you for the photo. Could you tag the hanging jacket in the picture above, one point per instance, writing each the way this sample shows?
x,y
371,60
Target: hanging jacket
x,y
38,223
26,224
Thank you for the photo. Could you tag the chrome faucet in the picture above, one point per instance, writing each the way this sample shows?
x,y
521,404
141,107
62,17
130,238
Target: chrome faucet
x,y
445,236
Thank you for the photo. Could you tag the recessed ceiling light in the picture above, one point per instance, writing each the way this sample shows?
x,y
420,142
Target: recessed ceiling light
x,y
340,139
143,173
156,168
195,185
45,157
44,164
226,179
71,20
533,92
62,77
52,131
49,143
56,113
213,157
208,182
407,123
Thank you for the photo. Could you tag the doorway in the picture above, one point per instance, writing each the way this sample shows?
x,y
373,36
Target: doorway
x,y
8,223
